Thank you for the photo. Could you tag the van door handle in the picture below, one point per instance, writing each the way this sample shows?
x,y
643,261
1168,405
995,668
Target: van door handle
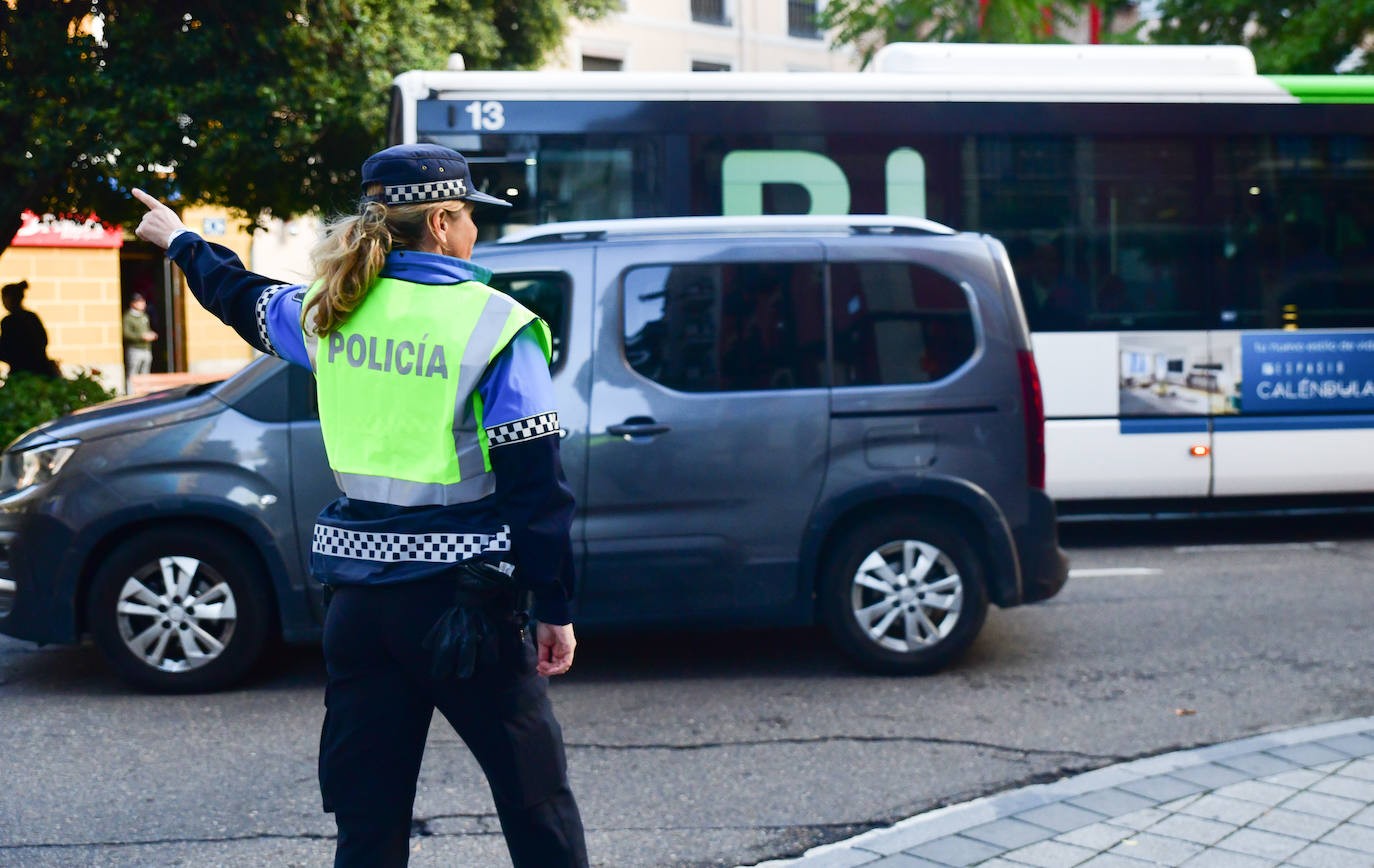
x,y
637,426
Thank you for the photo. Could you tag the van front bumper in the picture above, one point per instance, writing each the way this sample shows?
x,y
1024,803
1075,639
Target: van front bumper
x,y
1044,565
37,595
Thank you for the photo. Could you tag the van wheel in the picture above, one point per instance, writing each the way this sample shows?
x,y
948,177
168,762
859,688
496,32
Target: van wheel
x,y
903,595
179,611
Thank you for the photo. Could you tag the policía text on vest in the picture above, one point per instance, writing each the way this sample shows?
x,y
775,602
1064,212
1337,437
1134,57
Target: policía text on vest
x,y
400,357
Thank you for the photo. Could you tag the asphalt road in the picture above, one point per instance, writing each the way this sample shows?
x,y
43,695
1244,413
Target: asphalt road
x,y
695,750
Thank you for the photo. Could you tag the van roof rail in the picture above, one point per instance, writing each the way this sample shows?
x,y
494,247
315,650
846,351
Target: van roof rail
x,y
641,227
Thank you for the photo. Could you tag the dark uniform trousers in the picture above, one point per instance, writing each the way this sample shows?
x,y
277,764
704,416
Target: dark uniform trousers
x,y
378,705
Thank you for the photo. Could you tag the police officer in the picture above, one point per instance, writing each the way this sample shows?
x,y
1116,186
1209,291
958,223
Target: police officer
x,y
436,408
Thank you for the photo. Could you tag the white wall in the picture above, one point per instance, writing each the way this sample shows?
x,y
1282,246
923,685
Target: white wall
x,y
660,36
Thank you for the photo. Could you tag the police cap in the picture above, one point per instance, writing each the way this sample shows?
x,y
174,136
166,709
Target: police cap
x,y
422,173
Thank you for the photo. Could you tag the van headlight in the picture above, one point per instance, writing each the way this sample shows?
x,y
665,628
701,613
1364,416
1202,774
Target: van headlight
x,y
26,468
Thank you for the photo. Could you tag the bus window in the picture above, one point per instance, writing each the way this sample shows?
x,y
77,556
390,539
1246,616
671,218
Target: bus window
x,y
1299,247
550,178
1104,232
596,180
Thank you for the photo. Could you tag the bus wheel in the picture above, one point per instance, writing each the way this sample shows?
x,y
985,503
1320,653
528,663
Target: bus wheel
x,y
903,595
179,611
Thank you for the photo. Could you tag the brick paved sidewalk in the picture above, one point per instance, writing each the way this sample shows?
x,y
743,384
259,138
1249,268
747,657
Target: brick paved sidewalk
x,y
1302,797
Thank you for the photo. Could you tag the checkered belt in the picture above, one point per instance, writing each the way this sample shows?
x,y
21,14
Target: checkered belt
x,y
434,547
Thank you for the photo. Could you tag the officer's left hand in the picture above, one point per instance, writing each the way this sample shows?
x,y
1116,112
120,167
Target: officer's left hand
x,y
556,644
159,224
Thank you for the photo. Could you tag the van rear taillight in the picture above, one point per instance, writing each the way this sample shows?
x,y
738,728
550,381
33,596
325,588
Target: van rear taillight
x,y
1033,404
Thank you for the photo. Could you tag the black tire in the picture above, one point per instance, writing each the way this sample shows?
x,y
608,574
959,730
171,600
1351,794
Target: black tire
x,y
239,619
890,652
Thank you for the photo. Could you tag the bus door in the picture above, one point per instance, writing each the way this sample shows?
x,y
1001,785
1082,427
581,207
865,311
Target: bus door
x,y
1129,408
709,425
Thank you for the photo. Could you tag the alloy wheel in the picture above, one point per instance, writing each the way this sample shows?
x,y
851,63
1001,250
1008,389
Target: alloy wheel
x,y
176,614
906,595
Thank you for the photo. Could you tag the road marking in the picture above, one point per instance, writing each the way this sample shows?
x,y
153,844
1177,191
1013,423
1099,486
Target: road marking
x,y
1103,572
1323,545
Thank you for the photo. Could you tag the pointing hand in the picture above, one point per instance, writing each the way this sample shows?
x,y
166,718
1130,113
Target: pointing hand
x,y
159,224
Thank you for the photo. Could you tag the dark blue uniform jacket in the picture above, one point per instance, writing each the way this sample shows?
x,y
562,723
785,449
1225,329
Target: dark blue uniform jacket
x,y
532,498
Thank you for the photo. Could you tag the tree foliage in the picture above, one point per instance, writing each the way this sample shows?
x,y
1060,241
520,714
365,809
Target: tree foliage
x,y
1287,36
870,24
258,105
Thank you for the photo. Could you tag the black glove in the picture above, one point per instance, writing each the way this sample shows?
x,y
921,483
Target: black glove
x,y
455,640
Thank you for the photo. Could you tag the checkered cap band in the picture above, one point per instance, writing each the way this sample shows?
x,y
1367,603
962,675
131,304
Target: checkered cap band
x,y
431,191
523,429
391,547
260,314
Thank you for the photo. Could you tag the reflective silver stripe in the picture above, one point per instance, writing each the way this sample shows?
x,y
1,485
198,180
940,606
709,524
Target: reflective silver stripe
x,y
403,492
391,547
466,440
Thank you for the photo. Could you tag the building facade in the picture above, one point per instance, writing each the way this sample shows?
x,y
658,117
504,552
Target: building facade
x,y
704,36
81,278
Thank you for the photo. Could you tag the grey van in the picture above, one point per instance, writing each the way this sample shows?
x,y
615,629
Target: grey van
x,y
768,421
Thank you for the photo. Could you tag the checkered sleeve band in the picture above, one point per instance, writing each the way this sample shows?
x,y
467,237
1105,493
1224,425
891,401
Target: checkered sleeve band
x,y
391,547
260,314
430,191
523,429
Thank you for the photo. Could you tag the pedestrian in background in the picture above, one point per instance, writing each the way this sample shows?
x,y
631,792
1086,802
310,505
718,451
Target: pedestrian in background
x,y
23,340
138,339
436,406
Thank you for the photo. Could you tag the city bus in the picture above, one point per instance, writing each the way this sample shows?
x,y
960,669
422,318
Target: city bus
x,y
1193,241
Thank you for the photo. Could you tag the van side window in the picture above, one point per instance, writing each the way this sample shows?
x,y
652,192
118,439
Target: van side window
x,y
897,323
546,293
727,327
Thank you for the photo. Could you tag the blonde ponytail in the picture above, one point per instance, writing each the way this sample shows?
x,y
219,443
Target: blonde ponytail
x,y
347,260
352,252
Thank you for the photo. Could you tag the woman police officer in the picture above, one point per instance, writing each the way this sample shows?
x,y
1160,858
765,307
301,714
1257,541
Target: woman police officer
x,y
436,408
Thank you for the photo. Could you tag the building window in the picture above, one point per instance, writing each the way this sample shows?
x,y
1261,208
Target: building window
x,y
801,19
601,64
709,66
710,12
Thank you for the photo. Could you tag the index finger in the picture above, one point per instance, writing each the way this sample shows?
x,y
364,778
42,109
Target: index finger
x,y
146,199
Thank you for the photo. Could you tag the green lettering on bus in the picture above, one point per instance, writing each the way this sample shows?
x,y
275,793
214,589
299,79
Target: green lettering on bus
x,y
743,174
906,183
